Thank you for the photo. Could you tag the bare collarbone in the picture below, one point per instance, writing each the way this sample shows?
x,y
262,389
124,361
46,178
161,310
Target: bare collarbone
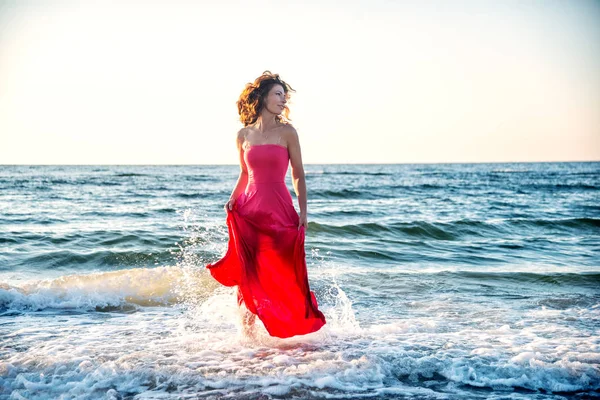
x,y
251,136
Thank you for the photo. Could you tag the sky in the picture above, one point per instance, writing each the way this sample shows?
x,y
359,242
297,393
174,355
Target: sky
x,y
377,81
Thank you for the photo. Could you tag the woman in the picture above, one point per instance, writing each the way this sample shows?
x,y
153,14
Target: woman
x,y
265,256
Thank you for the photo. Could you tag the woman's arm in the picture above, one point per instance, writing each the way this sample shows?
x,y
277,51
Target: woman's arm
x,y
298,177
242,181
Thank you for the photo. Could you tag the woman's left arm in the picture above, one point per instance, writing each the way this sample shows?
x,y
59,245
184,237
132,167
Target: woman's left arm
x,y
298,177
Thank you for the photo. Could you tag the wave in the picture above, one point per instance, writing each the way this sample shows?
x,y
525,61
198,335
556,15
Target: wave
x,y
201,178
47,184
108,291
134,214
379,192
468,280
585,279
424,186
346,213
113,214
128,174
510,171
454,230
415,356
350,194
523,187
418,229
584,173
575,186
205,194
353,173
558,223
97,258
166,286
28,219
525,371
95,237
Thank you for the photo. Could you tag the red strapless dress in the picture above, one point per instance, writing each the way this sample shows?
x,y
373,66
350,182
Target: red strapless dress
x,y
265,254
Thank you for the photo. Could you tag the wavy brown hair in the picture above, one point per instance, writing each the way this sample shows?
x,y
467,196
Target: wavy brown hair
x,y
252,99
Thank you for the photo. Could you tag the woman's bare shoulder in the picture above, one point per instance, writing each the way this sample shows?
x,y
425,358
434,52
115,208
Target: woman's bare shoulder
x,y
243,132
289,132
288,129
241,136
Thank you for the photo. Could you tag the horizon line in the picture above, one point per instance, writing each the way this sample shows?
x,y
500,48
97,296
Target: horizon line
x,y
305,164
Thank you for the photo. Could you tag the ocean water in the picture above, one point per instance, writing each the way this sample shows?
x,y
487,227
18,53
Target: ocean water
x,y
438,281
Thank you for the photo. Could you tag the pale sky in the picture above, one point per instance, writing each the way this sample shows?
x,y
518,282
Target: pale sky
x,y
377,81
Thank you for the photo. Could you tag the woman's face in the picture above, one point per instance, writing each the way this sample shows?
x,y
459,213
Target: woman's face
x,y
276,100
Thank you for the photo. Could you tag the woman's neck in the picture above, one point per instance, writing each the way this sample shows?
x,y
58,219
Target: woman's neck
x,y
266,121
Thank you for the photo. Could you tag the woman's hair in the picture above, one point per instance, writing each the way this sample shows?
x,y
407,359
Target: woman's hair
x,y
252,99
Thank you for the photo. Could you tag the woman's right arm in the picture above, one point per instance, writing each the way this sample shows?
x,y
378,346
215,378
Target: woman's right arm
x,y
242,181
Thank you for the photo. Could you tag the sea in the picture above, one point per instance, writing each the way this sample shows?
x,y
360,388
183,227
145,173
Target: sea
x,y
438,281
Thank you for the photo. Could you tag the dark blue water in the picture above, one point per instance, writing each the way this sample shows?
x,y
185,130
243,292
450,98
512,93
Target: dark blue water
x,y
437,281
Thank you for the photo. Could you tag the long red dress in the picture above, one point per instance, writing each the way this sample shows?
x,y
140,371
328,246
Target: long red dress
x,y
265,254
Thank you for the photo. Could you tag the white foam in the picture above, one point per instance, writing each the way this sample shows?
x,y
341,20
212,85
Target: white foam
x,y
159,352
197,347
140,286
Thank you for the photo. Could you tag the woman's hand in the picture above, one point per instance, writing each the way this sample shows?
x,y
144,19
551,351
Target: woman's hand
x,y
229,205
303,221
